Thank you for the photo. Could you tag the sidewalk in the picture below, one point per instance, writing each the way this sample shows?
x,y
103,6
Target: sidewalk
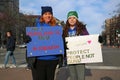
x,y
15,74
62,74
103,74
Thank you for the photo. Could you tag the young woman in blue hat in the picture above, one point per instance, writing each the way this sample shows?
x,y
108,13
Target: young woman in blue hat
x,y
45,66
75,28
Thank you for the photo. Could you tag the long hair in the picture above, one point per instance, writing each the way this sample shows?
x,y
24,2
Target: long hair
x,y
51,23
79,28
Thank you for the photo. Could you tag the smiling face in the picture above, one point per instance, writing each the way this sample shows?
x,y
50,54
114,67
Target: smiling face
x,y
72,20
47,17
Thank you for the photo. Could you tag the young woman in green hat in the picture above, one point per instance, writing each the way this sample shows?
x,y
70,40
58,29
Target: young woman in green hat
x,y
75,28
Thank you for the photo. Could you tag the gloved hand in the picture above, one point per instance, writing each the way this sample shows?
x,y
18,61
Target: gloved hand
x,y
66,47
27,39
100,39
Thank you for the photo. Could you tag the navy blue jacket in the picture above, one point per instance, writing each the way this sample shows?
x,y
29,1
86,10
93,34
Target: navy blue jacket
x,y
10,43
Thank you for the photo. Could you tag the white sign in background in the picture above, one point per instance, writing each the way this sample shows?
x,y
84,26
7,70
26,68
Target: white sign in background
x,y
83,49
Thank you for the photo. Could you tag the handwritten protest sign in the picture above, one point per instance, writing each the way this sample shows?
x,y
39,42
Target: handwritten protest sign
x,y
83,49
45,41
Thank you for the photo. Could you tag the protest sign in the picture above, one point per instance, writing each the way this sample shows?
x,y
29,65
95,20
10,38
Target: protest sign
x,y
45,41
83,49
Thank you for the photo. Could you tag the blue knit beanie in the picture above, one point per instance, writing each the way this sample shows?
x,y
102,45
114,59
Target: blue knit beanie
x,y
46,9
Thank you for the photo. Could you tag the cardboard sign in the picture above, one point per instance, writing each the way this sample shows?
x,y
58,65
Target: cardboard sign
x,y
83,49
45,41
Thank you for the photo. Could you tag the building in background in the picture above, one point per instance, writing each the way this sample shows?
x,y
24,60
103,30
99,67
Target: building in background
x,y
112,31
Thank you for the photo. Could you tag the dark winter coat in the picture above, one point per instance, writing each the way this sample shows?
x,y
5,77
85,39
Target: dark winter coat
x,y
10,43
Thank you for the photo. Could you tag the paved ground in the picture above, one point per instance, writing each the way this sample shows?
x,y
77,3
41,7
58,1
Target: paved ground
x,y
15,74
62,74
103,75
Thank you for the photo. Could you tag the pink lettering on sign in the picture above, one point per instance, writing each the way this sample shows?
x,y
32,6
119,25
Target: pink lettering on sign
x,y
34,33
46,47
58,32
34,48
48,33
43,33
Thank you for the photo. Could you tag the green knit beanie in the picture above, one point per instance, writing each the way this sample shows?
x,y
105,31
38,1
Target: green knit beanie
x,y
72,13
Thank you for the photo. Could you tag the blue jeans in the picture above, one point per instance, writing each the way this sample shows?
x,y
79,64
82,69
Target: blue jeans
x,y
7,58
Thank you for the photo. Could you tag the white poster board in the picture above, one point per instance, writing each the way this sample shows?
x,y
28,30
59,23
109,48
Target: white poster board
x,y
83,49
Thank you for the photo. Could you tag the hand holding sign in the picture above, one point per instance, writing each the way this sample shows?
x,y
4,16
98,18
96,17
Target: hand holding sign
x,y
27,39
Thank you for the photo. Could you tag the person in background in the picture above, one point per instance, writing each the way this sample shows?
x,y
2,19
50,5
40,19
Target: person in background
x,y
45,66
10,46
75,28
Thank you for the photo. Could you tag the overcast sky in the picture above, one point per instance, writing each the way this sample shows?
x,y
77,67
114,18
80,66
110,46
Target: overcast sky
x,y
90,12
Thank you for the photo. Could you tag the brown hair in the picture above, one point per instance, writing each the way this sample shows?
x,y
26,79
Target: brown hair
x,y
79,28
10,32
51,23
